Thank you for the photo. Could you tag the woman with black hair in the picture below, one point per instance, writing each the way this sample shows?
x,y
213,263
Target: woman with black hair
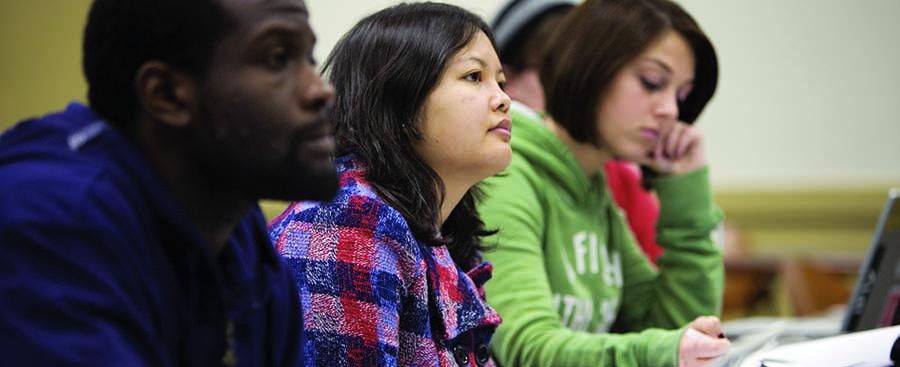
x,y
390,271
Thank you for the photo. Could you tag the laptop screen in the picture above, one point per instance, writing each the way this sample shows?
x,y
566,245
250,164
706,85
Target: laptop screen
x,y
876,298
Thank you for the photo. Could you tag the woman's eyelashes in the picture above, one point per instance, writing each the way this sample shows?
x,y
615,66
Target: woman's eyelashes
x,y
652,85
474,77
477,77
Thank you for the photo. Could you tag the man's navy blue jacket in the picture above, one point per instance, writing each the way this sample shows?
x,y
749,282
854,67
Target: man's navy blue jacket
x,y
100,267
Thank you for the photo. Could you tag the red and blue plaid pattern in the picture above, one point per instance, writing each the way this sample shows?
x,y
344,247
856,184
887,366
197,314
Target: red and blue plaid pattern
x,y
372,294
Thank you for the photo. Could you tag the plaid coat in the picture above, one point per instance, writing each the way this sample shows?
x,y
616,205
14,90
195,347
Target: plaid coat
x,y
372,294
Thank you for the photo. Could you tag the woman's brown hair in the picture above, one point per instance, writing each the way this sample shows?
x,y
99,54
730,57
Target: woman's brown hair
x,y
597,39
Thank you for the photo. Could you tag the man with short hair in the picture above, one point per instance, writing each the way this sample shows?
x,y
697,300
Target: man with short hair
x,y
130,230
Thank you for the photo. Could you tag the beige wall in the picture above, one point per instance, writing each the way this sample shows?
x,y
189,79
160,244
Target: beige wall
x,y
809,92
40,57
807,97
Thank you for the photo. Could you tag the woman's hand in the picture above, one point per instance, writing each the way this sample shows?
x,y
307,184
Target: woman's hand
x,y
679,150
702,343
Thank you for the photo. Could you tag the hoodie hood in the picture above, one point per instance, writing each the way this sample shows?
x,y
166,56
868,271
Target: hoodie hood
x,y
534,143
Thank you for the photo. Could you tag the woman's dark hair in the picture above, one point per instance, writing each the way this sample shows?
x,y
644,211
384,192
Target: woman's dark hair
x,y
600,37
120,36
383,70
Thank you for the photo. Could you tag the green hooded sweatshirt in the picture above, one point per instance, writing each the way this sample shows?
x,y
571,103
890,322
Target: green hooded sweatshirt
x,y
572,285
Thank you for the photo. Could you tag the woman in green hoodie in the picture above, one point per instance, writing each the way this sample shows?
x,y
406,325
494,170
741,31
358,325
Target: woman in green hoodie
x,y
623,79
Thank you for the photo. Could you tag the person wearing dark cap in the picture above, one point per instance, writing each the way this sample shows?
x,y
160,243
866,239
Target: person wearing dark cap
x,y
522,29
130,229
624,79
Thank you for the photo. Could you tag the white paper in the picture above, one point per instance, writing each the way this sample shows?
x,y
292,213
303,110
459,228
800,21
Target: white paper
x,y
864,348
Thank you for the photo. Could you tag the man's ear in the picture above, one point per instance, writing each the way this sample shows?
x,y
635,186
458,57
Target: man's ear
x,y
166,95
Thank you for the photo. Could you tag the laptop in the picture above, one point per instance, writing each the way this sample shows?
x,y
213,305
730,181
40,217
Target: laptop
x,y
874,303
876,296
